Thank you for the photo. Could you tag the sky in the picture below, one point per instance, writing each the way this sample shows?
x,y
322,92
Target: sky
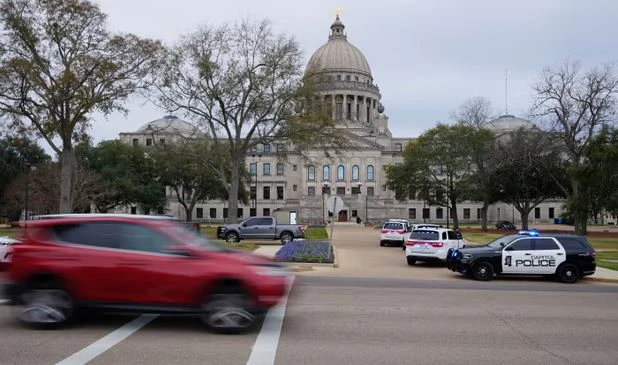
x,y
427,57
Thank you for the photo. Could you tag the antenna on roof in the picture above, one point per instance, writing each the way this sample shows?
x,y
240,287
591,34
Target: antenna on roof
x,y
506,92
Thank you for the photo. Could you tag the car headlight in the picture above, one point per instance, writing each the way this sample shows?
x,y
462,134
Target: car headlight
x,y
265,270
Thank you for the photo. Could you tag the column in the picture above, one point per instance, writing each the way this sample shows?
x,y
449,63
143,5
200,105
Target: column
x,y
334,111
354,108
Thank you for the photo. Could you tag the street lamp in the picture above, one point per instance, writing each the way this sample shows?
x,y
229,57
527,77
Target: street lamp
x,y
257,168
325,191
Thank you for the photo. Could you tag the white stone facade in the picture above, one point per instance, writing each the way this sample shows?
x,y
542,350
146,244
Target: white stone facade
x,y
296,183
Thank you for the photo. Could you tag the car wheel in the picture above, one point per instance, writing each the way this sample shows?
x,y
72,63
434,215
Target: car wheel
x,y
483,271
568,273
381,244
232,237
286,237
46,305
226,311
411,260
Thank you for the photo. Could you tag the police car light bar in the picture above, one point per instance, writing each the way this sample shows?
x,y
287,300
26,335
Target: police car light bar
x,y
529,233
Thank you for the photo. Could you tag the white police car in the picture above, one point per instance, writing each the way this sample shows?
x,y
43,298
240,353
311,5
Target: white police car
x,y
567,257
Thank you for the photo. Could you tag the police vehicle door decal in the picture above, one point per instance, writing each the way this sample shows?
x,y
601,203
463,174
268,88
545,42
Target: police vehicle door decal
x,y
514,256
547,256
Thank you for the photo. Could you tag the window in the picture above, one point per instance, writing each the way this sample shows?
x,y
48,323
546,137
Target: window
x,y
325,189
135,141
439,213
354,213
213,212
294,167
452,235
545,244
239,213
537,213
266,168
347,78
199,213
425,213
253,192
370,173
521,245
338,77
266,148
224,212
311,173
340,190
294,187
266,212
311,191
266,192
253,150
411,213
279,148
338,110
370,191
356,190
398,147
466,213
252,212
101,234
326,173
133,210
572,244
279,192
551,213
340,173
140,238
279,168
355,173
253,168
148,142
348,111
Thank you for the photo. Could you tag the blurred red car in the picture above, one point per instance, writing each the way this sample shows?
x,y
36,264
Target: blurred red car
x,y
137,264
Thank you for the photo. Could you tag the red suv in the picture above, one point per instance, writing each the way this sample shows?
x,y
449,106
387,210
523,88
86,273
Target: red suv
x,y
137,265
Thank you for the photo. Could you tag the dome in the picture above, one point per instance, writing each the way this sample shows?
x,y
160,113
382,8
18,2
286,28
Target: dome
x,y
509,123
338,55
169,124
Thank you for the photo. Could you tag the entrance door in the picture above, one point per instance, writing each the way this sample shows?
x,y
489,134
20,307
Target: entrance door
x,y
343,216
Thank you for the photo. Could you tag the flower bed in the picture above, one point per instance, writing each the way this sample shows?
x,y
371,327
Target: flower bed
x,y
306,251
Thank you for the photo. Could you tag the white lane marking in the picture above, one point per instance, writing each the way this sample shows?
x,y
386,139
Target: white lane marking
x,y
265,346
97,348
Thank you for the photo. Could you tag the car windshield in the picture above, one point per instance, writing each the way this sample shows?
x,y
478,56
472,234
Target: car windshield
x,y
425,235
192,238
502,241
392,225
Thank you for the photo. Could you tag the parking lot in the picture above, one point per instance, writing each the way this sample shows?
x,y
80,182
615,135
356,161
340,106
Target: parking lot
x,y
372,309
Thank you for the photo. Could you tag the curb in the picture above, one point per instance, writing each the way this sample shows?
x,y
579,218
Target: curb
x,y
603,280
305,266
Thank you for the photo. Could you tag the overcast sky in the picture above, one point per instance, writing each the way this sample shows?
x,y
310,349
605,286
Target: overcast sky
x,y
426,57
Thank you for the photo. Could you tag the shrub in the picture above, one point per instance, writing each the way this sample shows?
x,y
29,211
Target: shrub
x,y
306,251
316,233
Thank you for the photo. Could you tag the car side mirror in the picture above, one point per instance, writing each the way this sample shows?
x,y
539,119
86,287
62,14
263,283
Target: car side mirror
x,y
508,248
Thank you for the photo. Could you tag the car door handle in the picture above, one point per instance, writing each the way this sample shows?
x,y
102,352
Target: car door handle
x,y
559,254
528,254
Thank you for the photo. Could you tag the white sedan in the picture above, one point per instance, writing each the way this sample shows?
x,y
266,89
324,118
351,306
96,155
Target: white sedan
x,y
5,250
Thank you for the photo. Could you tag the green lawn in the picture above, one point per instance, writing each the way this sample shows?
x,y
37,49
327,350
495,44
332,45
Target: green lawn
x,y
11,232
608,260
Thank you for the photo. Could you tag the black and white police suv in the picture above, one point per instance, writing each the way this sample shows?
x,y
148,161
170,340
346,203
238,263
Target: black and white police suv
x,y
565,257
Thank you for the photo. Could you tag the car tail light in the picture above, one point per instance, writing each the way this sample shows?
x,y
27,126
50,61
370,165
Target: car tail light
x,y
401,231
301,229
411,243
437,244
385,231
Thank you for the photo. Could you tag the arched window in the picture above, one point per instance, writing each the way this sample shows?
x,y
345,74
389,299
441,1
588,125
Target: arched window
x,y
311,173
355,173
370,176
326,173
340,172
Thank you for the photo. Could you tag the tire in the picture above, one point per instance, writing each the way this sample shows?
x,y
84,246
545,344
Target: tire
x,y
381,244
286,237
483,271
568,273
411,260
232,237
46,305
226,310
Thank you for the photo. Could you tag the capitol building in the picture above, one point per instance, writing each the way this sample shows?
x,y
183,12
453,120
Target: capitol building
x,y
307,186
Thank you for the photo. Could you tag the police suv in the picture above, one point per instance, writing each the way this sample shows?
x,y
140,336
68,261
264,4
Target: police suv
x,y
565,257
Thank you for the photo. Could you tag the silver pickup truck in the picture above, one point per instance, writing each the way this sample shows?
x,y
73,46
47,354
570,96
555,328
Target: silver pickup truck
x,y
260,228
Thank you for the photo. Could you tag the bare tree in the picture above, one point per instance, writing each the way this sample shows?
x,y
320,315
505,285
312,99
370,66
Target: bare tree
x,y
241,84
59,64
474,112
576,104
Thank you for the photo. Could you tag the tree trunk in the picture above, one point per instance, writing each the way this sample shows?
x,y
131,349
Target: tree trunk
x,y
579,209
68,177
523,214
484,215
232,210
455,216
